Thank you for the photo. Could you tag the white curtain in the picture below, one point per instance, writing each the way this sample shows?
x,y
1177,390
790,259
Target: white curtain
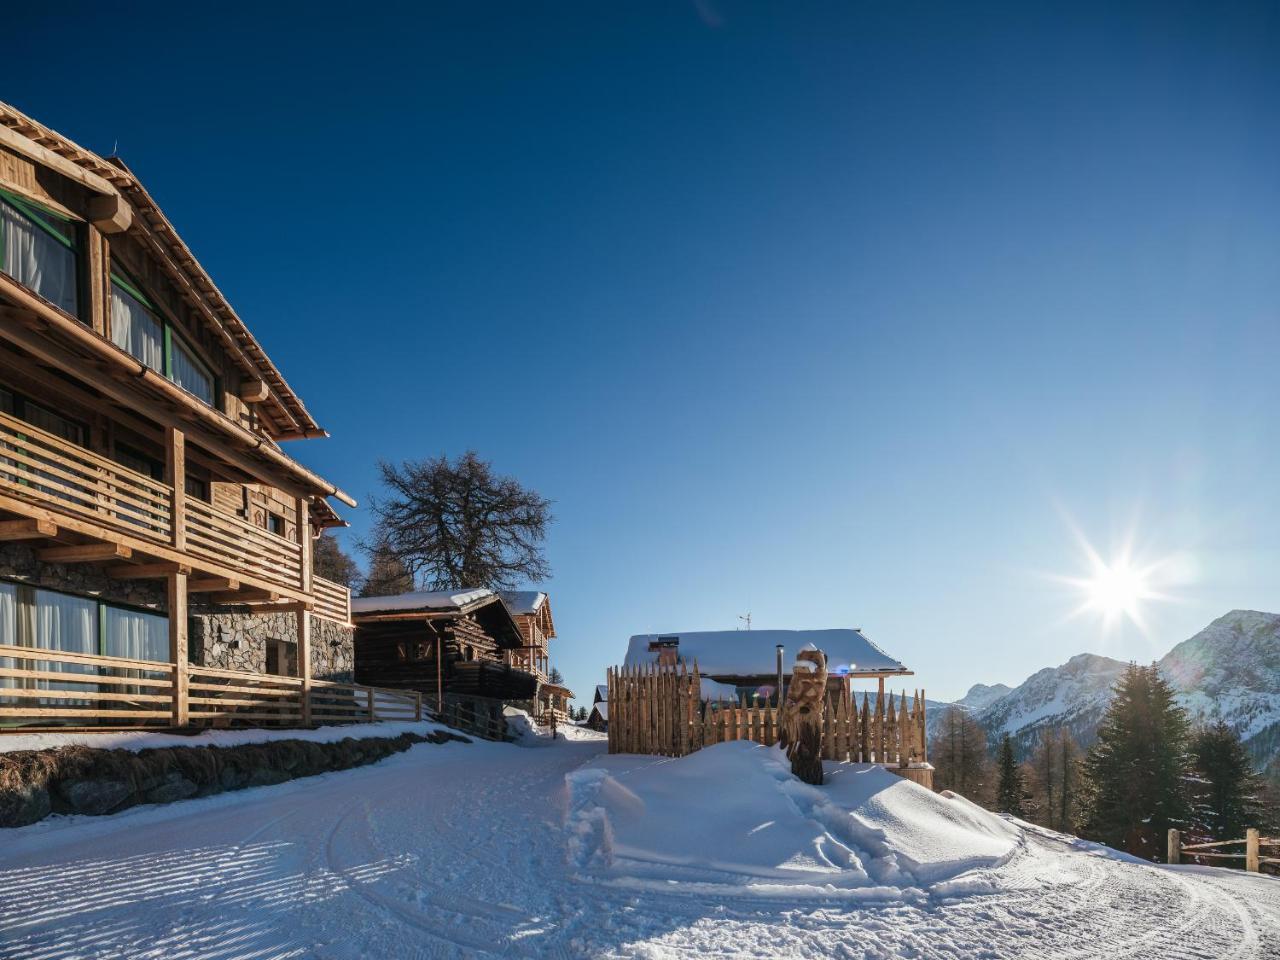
x,y
188,374
137,636
135,330
69,624
38,261
8,627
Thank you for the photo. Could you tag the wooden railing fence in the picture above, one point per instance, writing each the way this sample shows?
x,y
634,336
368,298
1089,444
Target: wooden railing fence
x,y
659,710
83,689
333,600
1252,841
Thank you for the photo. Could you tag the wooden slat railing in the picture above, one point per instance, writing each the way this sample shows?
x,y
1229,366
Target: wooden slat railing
x,y
240,546
40,687
46,685
45,469
333,600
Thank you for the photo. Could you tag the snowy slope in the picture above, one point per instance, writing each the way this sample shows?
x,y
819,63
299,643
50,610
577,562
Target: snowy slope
x,y
1073,695
474,851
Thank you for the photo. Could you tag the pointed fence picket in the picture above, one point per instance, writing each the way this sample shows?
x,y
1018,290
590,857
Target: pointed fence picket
x,y
658,709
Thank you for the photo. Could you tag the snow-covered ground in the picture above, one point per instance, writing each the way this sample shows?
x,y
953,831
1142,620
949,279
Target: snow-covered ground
x,y
501,850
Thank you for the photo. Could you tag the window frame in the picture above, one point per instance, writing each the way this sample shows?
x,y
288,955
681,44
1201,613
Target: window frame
x,y
36,212
170,334
26,597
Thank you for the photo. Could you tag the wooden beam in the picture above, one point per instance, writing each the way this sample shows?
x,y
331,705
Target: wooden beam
x,y
46,157
148,571
212,584
86,553
254,391
246,595
175,469
110,213
177,590
27,530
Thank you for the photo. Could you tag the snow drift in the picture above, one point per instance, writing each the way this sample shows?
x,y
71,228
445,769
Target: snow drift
x,y
732,817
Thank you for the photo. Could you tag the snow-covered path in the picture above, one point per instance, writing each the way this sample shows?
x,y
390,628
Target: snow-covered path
x,y
460,851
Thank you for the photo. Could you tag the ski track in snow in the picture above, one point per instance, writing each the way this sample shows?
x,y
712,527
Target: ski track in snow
x,y
459,851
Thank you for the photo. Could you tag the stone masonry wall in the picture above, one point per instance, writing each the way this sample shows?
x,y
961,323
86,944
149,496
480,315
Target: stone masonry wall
x,y
18,563
236,639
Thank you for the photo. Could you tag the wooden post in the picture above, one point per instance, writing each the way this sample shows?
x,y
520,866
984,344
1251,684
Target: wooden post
x,y
177,590
439,676
302,511
1175,846
175,456
304,660
373,707
417,705
1251,850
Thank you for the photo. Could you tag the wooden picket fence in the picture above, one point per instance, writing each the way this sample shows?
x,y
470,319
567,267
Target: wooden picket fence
x,y
659,710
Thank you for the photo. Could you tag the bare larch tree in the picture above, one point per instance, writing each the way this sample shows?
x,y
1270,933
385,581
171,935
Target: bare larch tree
x,y
457,524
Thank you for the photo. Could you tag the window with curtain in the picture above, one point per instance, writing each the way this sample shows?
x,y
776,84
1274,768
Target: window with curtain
x,y
139,328
8,625
38,249
135,635
134,328
67,623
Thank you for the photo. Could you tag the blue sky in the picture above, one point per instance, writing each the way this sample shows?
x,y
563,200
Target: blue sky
x,y
843,315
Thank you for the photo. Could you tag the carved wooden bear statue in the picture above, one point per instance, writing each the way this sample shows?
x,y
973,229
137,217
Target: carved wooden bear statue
x,y
802,714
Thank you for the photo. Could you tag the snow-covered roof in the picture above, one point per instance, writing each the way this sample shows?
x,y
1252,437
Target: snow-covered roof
x,y
744,653
602,692
602,708
420,600
523,601
713,690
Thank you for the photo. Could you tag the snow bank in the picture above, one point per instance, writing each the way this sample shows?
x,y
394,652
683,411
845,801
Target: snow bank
x,y
529,734
732,817
143,740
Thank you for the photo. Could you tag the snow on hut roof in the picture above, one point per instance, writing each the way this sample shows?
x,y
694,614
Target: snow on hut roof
x,y
602,708
523,601
602,692
744,653
420,600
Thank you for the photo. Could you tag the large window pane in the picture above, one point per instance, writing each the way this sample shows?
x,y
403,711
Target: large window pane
x,y
69,624
8,625
36,257
135,329
188,373
136,635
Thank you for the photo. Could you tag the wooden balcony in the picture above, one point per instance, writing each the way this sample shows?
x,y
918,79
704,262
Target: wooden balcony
x,y
79,497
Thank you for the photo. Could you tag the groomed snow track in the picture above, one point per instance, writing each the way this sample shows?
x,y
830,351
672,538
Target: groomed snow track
x,y
459,851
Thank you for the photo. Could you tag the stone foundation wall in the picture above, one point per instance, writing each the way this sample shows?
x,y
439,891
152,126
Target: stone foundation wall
x,y
18,562
236,639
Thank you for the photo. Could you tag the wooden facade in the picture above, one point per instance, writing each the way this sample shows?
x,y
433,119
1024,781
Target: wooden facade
x,y
140,423
531,610
444,645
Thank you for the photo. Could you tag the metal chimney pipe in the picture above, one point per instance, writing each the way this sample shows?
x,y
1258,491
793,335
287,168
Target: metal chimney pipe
x,y
779,694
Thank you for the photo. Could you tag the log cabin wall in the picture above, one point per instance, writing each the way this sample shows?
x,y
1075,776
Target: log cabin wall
x,y
402,654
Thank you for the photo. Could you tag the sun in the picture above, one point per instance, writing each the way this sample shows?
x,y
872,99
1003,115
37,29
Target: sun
x,y
1116,590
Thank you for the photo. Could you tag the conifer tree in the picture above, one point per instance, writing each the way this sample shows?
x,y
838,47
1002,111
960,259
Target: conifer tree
x,y
1226,789
1009,783
555,677
1137,767
1053,778
959,755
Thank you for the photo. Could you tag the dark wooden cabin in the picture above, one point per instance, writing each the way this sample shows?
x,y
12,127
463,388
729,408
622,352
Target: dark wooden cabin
x,y
454,643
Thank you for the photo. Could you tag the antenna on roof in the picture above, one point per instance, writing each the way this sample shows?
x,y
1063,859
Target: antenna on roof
x,y
747,617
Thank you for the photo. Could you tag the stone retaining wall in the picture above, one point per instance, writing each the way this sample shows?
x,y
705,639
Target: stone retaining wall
x,y
91,781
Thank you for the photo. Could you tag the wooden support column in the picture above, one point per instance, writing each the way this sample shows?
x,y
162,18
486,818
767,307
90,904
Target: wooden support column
x,y
178,645
175,451
305,541
304,660
1251,860
1175,846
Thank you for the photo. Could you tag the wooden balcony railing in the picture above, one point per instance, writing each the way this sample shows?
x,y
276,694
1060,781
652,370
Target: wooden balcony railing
x,y
239,545
43,469
42,687
333,600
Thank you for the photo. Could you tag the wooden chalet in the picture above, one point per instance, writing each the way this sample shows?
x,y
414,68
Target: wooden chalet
x,y
553,701
531,610
155,537
451,646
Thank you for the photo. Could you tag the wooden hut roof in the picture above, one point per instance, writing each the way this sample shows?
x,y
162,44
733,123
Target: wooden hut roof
x,y
746,653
